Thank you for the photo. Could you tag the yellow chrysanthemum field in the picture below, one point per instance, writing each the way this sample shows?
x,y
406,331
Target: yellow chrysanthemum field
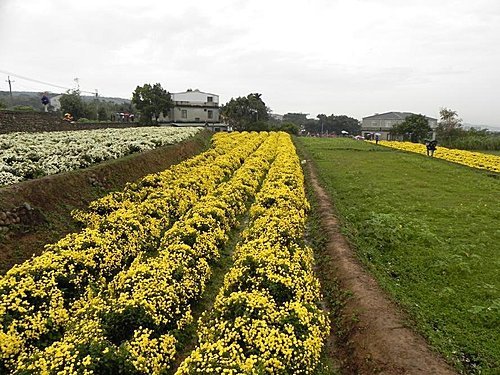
x,y
117,296
468,158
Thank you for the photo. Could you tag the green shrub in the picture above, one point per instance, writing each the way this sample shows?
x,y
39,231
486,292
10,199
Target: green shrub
x,y
84,120
26,108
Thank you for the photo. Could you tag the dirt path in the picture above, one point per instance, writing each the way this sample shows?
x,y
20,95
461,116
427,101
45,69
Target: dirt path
x,y
378,341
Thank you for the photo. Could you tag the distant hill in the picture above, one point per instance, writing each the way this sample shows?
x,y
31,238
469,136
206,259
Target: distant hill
x,y
33,99
493,128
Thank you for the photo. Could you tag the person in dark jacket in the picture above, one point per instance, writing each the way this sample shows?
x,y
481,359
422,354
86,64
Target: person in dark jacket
x,y
45,102
431,147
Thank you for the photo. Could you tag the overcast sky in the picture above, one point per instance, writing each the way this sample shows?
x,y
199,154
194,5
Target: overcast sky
x,y
353,57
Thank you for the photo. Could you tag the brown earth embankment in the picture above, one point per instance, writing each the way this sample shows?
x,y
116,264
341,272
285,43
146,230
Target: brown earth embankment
x,y
43,206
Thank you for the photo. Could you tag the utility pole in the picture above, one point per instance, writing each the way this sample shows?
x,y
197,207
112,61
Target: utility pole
x,y
97,104
10,90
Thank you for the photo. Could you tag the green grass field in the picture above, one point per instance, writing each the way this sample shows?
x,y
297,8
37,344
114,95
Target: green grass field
x,y
492,152
429,231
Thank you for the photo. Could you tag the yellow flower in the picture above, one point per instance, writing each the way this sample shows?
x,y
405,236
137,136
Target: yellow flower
x,y
468,158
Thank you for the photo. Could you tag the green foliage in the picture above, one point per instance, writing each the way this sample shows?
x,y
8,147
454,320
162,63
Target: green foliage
x,y
473,139
23,108
72,102
152,101
258,126
333,124
21,98
449,126
289,127
448,120
428,231
386,231
84,120
246,113
487,143
295,118
2,104
102,114
451,134
414,128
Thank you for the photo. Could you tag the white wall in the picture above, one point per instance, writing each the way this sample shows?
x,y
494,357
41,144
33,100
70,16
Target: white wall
x,y
194,97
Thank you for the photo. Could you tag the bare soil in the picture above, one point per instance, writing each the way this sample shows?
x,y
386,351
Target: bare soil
x,y
375,337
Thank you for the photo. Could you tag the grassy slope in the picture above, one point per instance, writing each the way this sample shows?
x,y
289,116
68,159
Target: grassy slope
x,y
429,231
492,152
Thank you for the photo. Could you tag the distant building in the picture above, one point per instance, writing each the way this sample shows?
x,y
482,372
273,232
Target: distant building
x,y
382,123
193,107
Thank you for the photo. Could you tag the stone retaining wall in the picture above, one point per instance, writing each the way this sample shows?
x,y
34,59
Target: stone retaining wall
x,y
32,122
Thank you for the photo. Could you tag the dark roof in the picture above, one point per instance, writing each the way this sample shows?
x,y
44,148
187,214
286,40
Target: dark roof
x,y
392,116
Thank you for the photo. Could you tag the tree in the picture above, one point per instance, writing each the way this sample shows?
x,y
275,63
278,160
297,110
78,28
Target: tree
x,y
416,128
296,118
152,101
449,125
246,113
102,114
72,102
289,127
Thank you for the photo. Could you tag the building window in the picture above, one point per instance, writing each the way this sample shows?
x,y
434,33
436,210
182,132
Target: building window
x,y
210,114
210,99
184,113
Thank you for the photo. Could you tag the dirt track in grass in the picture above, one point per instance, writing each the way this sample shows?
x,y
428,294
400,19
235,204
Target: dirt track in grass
x,y
376,338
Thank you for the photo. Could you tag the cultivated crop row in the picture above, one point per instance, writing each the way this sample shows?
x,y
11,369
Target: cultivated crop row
x,y
468,158
30,155
117,296
267,318
41,297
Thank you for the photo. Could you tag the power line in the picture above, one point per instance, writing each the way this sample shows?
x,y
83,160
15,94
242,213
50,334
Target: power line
x,y
42,82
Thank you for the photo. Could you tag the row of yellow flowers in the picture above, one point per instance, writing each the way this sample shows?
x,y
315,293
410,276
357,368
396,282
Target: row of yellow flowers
x,y
38,299
158,192
267,317
136,319
468,158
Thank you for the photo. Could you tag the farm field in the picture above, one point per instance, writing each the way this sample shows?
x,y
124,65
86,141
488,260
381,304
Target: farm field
x,y
491,152
117,296
25,156
469,158
428,230
53,198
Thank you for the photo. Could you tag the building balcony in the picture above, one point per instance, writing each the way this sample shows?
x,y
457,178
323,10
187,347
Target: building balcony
x,y
196,104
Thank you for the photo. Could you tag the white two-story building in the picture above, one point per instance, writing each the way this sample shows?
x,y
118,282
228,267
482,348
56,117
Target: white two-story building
x,y
193,107
382,124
